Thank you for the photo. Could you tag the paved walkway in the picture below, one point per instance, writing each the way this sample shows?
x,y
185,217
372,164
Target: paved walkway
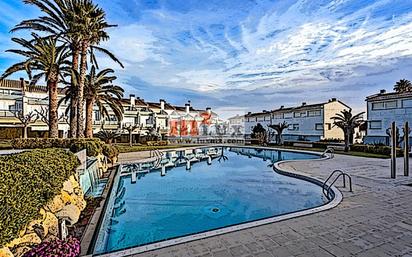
x,y
375,220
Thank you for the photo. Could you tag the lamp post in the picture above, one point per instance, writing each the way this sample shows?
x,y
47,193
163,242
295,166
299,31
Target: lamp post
x,y
393,150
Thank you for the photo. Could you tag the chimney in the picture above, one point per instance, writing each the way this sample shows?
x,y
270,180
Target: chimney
x,y
304,103
333,99
209,110
249,113
187,107
282,106
383,91
162,104
132,100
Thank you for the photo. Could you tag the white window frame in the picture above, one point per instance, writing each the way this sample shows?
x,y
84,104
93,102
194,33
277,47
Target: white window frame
x,y
375,127
319,126
314,113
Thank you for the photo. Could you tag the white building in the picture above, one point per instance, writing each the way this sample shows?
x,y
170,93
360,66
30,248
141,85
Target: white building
x,y
17,97
306,122
383,109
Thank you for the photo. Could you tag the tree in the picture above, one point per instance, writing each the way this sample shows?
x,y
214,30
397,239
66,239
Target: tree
x,y
49,60
130,129
348,122
259,133
77,23
26,120
402,86
279,128
99,91
108,135
93,26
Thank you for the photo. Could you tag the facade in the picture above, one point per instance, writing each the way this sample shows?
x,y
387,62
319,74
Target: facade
x,y
383,109
18,98
306,122
159,119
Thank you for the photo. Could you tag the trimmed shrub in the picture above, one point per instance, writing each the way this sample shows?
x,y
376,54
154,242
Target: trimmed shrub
x,y
110,151
57,247
376,149
156,143
92,146
28,181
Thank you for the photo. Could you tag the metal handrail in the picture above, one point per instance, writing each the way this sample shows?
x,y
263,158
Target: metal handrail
x,y
329,150
341,173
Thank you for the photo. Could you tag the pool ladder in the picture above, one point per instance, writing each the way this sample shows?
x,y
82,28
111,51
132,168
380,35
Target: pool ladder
x,y
156,153
329,151
326,189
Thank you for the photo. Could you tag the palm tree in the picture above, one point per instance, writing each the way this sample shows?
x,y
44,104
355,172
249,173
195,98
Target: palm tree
x,y
348,122
74,22
93,26
279,130
49,60
100,91
402,86
59,22
108,135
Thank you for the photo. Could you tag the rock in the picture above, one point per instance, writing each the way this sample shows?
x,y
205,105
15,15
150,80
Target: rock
x,y
56,204
29,239
66,198
20,250
67,186
70,213
50,224
74,182
5,252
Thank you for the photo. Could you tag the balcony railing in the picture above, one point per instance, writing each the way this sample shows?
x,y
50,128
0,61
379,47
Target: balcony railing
x,y
6,113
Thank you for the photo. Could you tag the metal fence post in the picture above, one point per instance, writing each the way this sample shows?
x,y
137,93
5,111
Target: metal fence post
x,y
393,152
406,149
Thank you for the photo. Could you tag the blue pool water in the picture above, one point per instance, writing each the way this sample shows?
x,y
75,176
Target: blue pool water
x,y
231,188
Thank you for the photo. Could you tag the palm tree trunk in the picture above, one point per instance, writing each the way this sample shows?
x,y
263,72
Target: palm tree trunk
x,y
347,140
130,138
53,106
89,118
73,107
80,98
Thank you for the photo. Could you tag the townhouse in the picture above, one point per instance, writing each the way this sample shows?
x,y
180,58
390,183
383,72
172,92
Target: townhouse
x,y
151,118
306,122
383,109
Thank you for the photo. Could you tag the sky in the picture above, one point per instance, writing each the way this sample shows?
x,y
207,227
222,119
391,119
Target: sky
x,y
249,55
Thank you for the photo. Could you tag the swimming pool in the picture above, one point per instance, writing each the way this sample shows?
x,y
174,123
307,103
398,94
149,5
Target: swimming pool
x,y
198,190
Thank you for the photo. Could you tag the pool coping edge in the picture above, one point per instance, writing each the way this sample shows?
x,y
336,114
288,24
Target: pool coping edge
x,y
338,197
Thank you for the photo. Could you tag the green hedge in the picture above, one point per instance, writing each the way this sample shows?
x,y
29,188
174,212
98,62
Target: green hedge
x,y
156,143
28,181
376,149
110,151
93,146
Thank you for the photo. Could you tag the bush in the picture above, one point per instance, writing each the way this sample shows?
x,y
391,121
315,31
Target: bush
x,y
29,180
110,151
57,247
92,146
156,143
375,149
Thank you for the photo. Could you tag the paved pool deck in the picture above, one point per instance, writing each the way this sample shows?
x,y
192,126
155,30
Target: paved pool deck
x,y
375,220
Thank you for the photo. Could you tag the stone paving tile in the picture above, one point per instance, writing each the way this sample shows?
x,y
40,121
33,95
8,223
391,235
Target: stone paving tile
x,y
375,220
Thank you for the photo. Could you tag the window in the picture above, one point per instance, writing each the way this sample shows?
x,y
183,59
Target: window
x,y
385,105
407,103
375,124
314,113
297,114
378,106
391,104
294,127
97,115
318,126
287,115
329,125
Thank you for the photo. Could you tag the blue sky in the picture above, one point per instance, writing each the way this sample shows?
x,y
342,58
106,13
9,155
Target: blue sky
x,y
251,54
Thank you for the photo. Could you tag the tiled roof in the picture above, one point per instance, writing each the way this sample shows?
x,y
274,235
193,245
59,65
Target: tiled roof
x,y
16,84
391,95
